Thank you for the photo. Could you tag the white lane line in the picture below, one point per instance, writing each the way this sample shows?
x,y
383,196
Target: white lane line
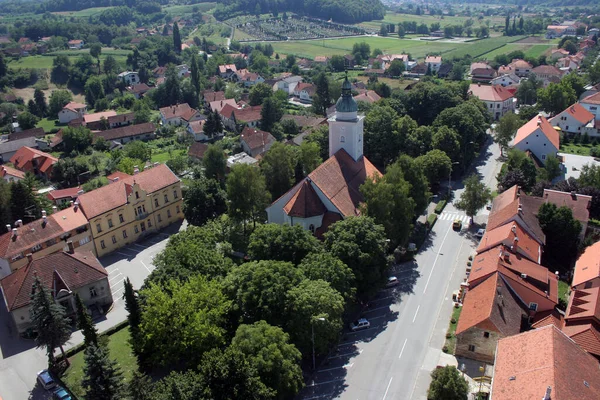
x,y
326,382
416,312
139,245
388,388
115,284
123,254
116,276
117,291
435,261
148,269
403,346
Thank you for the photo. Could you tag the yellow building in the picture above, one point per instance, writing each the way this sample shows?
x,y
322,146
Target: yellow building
x,y
128,209
44,236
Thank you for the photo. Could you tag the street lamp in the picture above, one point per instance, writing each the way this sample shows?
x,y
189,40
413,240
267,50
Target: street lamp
x,y
312,325
450,175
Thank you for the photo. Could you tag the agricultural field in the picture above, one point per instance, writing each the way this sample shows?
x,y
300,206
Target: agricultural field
x,y
530,50
484,46
88,12
178,11
395,18
45,61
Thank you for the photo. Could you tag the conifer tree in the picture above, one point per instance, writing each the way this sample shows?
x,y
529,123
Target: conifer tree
x,y
176,38
84,322
195,73
102,377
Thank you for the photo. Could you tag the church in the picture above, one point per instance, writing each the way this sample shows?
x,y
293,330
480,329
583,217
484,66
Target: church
x,y
331,192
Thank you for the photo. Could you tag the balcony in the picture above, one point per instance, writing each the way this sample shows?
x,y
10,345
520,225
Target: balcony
x,y
141,216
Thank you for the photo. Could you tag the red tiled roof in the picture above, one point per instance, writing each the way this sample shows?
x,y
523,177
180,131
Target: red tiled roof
x,y
37,232
546,70
545,318
24,156
518,63
183,111
63,193
34,132
223,68
117,174
197,150
127,131
490,93
587,336
587,266
578,112
114,195
370,96
538,123
305,203
248,114
527,364
74,106
578,203
255,138
95,117
139,88
6,170
74,270
433,59
197,126
210,96
485,72
121,118
219,105
507,234
592,99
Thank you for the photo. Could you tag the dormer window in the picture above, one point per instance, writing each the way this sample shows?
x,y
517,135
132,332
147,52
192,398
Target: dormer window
x,y
342,139
137,195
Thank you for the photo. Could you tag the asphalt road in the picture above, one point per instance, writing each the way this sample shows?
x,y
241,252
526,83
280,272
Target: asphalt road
x,y
393,358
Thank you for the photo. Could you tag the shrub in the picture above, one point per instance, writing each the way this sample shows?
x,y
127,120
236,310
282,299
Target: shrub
x,y
469,263
585,139
445,349
470,258
595,151
453,321
448,335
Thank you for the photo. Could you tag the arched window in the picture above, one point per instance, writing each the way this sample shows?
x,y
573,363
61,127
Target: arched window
x,y
311,228
342,139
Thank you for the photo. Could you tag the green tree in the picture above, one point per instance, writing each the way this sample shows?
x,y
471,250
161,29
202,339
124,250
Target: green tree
x,y
77,139
268,349
61,68
94,89
195,73
182,321
594,73
527,91
49,320
436,166
458,72
102,377
552,168
361,244
447,384
23,203
281,242
247,194
95,51
127,164
205,199
447,140
322,265
110,65
188,385
562,234
590,175
381,141
278,167
85,323
556,97
134,317
260,92
40,102
270,113
140,387
401,31
27,120
176,38
506,129
3,66
570,47
396,68
322,97
408,169
214,162
138,150
337,63
306,303
309,157
475,196
5,203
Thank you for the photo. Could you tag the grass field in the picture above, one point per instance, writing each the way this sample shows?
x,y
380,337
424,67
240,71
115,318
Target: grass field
x,y
530,50
120,351
188,9
480,47
88,12
451,341
164,156
45,61
395,18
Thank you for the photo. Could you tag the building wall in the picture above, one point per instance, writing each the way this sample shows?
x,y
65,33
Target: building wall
x,y
65,116
538,144
305,223
347,135
485,347
567,123
593,283
593,108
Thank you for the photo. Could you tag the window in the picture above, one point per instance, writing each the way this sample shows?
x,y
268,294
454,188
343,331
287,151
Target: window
x,y
143,226
491,106
156,202
93,291
84,240
136,229
533,306
177,209
168,213
486,334
35,248
110,224
137,195
124,233
543,156
174,194
342,139
102,245
99,228
166,198
149,224
311,228
121,219
159,218
114,239
471,347
567,127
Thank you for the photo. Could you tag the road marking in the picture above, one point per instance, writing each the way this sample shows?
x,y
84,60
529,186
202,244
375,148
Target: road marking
x,y
115,284
416,312
139,245
116,276
436,258
334,368
123,254
388,388
117,291
402,351
326,382
145,266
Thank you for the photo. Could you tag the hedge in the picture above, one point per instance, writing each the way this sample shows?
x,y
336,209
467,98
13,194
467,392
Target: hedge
x,y
440,206
431,220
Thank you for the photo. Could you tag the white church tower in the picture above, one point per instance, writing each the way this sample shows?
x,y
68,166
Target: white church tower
x,y
346,127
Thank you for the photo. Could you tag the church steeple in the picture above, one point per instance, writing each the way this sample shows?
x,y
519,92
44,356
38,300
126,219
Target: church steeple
x,y
346,127
346,107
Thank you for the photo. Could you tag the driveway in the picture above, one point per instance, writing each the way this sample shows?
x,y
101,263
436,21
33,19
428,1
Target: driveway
x,y
573,164
20,360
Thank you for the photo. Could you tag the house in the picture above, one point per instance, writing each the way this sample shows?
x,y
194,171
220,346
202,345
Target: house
x,y
196,129
235,117
129,209
519,67
419,69
573,119
579,204
445,70
544,364
506,80
592,104
248,78
10,174
479,65
44,236
321,60
557,54
330,192
483,75
256,142
33,132
179,114
556,31
433,63
219,105
9,149
159,72
304,92
209,96
240,158
586,274
37,162
71,111
128,133
349,61
581,321
65,275
182,70
116,121
498,100
547,74
62,197
513,236
568,64
138,90
369,96
99,120
75,44
539,137
129,78
227,71
288,84
197,151
117,175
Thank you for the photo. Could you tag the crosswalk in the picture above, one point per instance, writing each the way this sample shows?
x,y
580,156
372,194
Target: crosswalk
x,y
452,216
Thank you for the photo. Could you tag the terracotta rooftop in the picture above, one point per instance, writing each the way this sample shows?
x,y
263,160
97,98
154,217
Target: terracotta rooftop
x,y
512,234
305,122
587,266
127,131
578,203
95,117
6,170
546,70
183,111
121,118
34,132
538,124
115,195
593,99
59,270
530,364
197,126
484,72
370,96
305,203
578,112
117,175
70,193
218,105
228,67
25,155
523,207
255,138
490,93
75,107
518,63
248,114
433,59
197,150
210,96
37,232
139,88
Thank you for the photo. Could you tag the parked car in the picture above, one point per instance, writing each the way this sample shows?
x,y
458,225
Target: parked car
x,y
359,324
392,281
457,225
45,379
480,233
60,393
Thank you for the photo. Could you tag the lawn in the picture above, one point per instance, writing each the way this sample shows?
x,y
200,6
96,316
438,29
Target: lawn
x,y
88,12
478,48
450,344
45,61
396,18
530,50
574,148
47,124
164,156
118,346
176,11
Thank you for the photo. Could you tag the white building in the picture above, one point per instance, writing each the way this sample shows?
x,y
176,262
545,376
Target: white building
x,y
71,111
539,137
433,62
130,77
573,120
304,92
506,80
592,104
288,84
498,100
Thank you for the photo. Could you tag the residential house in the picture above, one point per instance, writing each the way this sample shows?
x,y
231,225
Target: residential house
x,y
419,69
210,95
33,132
321,60
539,137
330,192
218,105
586,274
98,121
506,80
44,236
197,151
196,129
349,61
368,96
61,197
479,65
248,78
9,149
581,321
126,210
256,142
485,75
433,63
240,158
75,44
227,71
515,237
556,31
183,71
547,74
65,275
119,120
10,174
159,72
498,100
556,54
592,104
128,133
288,84
233,118
304,92
573,119
138,90
445,70
568,64
544,364
180,114
71,111
579,204
519,67
129,77
37,162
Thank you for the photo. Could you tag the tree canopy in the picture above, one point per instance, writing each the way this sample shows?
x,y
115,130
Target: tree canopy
x,y
282,243
475,196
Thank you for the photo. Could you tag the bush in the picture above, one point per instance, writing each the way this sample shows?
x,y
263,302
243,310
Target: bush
x,y
440,206
453,321
448,335
585,139
431,220
595,151
445,349
469,263
470,258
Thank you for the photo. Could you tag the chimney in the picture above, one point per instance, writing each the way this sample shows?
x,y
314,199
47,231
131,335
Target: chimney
x,y
71,204
574,195
506,256
54,209
136,170
116,179
75,205
44,220
29,257
14,232
80,192
8,227
43,213
515,245
520,209
514,229
71,247
547,395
